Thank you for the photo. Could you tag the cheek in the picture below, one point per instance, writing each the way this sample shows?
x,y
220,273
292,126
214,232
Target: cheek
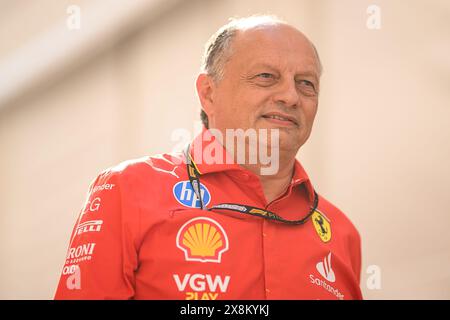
x,y
310,110
242,106
253,103
239,105
223,105
227,99
228,114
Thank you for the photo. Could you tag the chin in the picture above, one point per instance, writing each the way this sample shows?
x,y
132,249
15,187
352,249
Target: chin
x,y
287,144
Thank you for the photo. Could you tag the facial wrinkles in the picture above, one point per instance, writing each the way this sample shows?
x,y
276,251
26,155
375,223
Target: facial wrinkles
x,y
286,58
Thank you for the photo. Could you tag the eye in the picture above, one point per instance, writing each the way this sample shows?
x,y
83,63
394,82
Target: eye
x,y
306,83
265,75
307,87
265,79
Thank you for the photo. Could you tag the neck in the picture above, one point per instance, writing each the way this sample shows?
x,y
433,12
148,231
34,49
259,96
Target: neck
x,y
274,185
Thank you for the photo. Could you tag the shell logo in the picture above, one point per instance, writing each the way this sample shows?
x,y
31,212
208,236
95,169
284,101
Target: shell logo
x,y
202,239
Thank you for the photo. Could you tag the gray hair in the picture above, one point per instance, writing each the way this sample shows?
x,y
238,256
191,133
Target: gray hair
x,y
218,49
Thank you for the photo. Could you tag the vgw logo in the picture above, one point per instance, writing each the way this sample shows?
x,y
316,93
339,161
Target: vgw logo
x,y
201,286
185,195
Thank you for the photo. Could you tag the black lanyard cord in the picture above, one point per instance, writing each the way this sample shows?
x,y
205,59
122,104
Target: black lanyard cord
x,y
194,178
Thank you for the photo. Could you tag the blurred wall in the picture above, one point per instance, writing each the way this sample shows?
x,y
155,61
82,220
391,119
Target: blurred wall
x,y
73,102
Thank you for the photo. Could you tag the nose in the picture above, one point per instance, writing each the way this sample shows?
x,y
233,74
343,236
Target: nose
x,y
287,94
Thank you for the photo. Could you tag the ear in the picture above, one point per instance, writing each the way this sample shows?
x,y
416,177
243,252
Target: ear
x,y
205,90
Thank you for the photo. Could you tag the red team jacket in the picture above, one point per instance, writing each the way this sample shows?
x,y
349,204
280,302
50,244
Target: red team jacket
x,y
142,235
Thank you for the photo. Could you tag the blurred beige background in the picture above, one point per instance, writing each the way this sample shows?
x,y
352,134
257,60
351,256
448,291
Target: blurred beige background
x,y
73,102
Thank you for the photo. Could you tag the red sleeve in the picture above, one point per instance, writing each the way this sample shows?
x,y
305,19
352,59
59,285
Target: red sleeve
x,y
356,255
102,255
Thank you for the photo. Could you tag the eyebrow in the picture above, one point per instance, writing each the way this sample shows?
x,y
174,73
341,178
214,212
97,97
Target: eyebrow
x,y
262,65
309,73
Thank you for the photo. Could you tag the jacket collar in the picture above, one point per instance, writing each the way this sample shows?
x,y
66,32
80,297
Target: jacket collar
x,y
210,156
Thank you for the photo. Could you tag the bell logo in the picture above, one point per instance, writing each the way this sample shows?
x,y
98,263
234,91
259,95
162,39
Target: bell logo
x,y
325,270
202,239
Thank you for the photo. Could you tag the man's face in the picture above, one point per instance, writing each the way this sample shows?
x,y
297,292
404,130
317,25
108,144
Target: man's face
x,y
271,81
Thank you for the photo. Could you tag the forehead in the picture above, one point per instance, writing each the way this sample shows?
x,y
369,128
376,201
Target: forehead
x,y
279,45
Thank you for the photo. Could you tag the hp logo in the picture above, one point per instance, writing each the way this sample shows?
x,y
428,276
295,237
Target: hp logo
x,y
185,195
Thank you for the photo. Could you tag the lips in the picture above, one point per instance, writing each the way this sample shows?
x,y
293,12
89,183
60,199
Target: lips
x,y
281,117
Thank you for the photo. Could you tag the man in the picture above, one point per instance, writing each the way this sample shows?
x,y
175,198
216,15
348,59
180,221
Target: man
x,y
207,223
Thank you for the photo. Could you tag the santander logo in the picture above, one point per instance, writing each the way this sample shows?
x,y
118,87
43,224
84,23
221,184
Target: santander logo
x,y
325,270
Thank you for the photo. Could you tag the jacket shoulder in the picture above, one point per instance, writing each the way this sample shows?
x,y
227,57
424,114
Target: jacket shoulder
x,y
167,163
336,216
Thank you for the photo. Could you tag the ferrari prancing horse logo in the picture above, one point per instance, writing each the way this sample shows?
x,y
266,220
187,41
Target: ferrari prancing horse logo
x,y
322,225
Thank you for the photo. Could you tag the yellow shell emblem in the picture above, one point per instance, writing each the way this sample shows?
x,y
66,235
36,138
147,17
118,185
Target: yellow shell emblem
x,y
202,239
322,225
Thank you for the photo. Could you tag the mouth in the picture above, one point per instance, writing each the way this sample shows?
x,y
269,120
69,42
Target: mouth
x,y
280,119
